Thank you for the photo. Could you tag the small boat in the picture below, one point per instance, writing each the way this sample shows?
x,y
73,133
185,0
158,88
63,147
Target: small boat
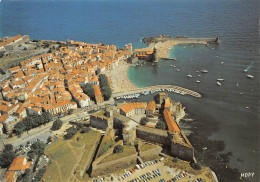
x,y
198,81
237,84
204,71
172,25
177,70
199,75
174,66
190,76
222,62
241,93
197,71
218,83
171,65
220,79
250,76
212,48
247,107
246,70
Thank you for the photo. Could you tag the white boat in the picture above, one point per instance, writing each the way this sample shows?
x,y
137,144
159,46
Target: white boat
x,y
218,83
190,76
177,70
174,66
204,71
171,65
220,79
198,81
237,84
222,62
250,76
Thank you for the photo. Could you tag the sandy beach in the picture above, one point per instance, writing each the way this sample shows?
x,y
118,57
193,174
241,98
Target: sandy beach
x,y
118,78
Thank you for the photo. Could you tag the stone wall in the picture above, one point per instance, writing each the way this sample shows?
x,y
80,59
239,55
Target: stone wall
x,y
153,135
110,167
150,153
182,152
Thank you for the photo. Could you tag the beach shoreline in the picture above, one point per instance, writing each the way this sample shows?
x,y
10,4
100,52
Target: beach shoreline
x,y
118,78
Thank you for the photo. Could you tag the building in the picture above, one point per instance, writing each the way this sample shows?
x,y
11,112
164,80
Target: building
x,y
172,125
131,109
9,122
18,167
98,96
150,108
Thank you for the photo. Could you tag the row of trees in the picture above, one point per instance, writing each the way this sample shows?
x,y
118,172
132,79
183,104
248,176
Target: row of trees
x,y
104,85
7,156
31,122
89,90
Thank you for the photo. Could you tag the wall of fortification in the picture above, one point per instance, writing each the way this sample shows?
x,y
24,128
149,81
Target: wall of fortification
x,y
150,153
100,123
107,153
182,152
109,167
153,135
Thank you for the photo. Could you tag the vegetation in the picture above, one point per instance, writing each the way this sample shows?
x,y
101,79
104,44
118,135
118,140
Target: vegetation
x,y
7,156
144,121
84,130
64,153
25,176
39,175
89,90
104,85
105,147
57,124
118,149
161,125
70,132
37,148
2,54
31,122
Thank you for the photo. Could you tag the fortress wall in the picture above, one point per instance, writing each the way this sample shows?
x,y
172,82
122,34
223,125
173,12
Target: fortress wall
x,y
153,135
182,152
110,167
151,153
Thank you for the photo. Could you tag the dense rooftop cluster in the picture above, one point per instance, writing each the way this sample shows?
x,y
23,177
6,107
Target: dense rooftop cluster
x,y
52,82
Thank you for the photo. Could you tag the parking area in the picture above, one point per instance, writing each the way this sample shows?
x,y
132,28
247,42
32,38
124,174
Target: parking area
x,y
152,171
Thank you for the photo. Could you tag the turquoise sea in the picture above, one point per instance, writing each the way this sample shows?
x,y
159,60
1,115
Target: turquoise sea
x,y
119,22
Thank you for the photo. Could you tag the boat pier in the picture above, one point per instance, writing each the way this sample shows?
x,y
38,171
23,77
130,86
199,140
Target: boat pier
x,y
159,88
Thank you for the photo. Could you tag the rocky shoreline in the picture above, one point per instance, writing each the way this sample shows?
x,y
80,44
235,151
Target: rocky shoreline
x,y
210,152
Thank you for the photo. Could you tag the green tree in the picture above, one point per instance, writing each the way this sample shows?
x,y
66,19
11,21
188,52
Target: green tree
x,y
89,90
2,54
39,175
70,132
46,116
37,148
106,92
19,128
104,85
7,156
57,124
161,125
118,149
144,121
84,130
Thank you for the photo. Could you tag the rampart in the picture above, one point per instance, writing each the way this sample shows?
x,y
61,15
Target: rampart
x,y
153,135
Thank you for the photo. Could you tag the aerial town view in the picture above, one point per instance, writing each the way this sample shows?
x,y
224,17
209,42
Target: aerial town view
x,y
157,107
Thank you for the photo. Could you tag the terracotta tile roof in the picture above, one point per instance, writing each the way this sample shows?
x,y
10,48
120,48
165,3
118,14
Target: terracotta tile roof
x,y
10,176
128,107
8,41
151,105
167,103
19,164
172,125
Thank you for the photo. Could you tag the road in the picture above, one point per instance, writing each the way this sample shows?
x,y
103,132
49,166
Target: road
x,y
43,132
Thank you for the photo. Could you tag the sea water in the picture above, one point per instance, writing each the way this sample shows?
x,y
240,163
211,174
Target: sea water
x,y
120,22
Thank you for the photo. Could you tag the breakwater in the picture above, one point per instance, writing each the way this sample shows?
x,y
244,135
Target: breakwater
x,y
170,88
